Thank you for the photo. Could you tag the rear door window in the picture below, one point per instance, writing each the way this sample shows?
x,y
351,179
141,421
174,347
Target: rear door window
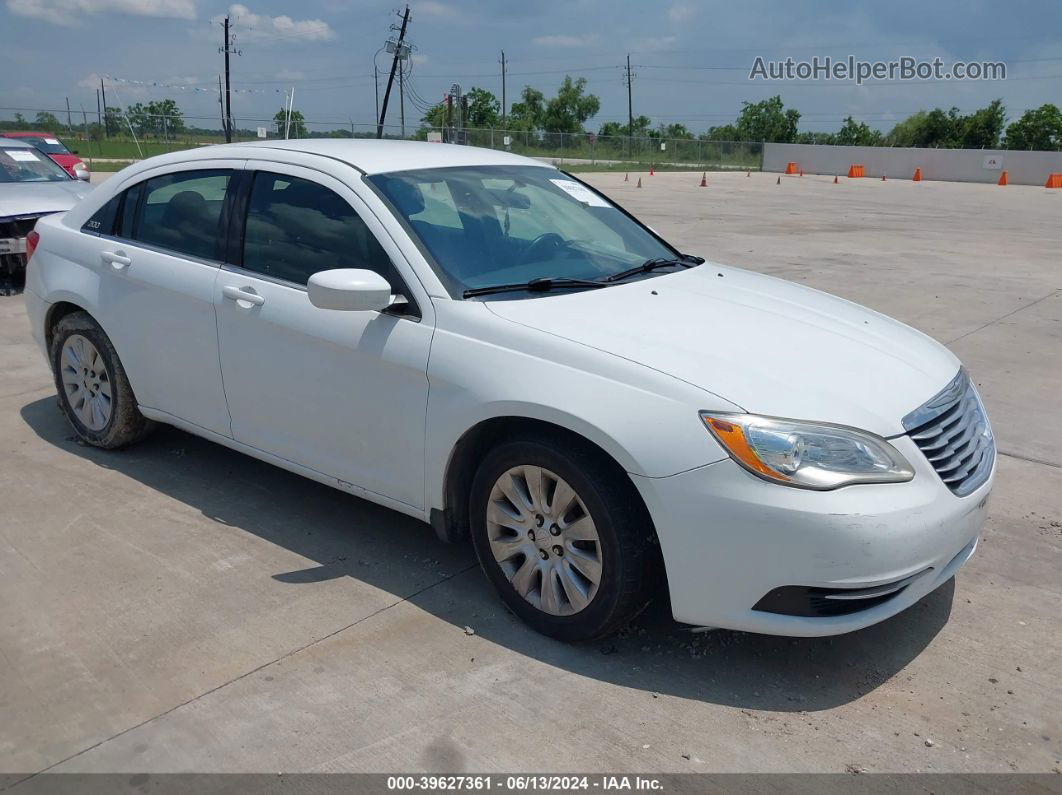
x,y
182,212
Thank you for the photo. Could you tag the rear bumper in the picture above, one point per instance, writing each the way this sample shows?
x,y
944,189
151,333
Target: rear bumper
x,y
731,542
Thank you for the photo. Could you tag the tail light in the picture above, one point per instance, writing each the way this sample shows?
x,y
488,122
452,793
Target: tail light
x,y
31,243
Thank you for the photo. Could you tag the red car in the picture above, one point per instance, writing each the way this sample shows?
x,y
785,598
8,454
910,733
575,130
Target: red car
x,y
54,148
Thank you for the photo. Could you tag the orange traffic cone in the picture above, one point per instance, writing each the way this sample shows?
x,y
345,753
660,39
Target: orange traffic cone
x,y
626,177
917,175
651,172
801,172
1002,179
639,182
704,179
834,179
1053,181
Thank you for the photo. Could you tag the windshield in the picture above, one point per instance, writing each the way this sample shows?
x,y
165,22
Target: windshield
x,y
21,164
47,144
491,225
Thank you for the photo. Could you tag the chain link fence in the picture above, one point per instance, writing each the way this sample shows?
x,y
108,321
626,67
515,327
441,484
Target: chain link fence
x,y
122,138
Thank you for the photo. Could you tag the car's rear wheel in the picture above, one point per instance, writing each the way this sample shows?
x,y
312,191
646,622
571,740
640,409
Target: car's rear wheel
x,y
563,539
94,392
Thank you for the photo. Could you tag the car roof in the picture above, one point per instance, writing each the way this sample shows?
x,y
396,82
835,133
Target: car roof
x,y
16,143
24,134
373,156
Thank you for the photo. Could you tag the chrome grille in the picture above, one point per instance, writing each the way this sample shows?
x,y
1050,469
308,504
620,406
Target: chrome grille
x,y
952,431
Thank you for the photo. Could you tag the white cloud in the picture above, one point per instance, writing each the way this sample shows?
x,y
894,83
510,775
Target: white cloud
x,y
653,44
680,12
581,40
433,8
248,26
69,12
291,74
89,81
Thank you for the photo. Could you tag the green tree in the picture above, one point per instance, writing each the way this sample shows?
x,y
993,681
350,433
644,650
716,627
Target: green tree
x,y
723,132
47,121
768,120
674,131
483,108
856,133
297,128
983,128
113,123
820,138
530,112
567,111
615,129
137,117
165,117
1039,129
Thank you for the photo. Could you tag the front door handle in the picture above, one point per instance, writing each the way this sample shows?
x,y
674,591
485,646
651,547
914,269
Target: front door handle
x,y
116,259
244,294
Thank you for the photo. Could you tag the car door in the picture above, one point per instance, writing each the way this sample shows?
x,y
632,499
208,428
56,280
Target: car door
x,y
343,393
157,285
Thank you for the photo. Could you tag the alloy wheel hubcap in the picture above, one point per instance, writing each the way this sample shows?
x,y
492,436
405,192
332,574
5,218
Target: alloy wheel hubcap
x,y
86,382
544,540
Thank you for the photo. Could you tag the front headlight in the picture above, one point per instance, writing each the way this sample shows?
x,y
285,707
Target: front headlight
x,y
807,455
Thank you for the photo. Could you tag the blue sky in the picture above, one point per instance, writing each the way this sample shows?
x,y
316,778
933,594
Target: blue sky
x,y
691,58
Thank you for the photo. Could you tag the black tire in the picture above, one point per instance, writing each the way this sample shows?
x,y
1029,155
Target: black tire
x,y
630,554
126,424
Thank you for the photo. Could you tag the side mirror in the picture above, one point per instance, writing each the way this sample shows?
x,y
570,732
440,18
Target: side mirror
x,y
82,174
349,289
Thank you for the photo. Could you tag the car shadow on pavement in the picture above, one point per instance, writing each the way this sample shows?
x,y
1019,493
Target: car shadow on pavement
x,y
349,537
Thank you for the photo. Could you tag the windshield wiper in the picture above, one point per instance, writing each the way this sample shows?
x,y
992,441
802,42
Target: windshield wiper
x,y
540,285
681,261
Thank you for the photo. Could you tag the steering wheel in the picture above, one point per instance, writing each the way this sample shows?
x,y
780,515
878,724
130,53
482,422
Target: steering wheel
x,y
540,244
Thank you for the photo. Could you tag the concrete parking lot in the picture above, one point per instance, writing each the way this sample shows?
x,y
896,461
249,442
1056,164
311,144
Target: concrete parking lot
x,y
180,607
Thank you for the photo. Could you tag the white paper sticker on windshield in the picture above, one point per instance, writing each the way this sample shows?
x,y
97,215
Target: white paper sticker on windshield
x,y
52,141
580,192
18,154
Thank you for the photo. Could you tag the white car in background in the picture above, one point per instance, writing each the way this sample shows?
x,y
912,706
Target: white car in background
x,y
31,186
485,343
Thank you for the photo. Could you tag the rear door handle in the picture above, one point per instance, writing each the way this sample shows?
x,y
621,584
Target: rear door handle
x,y
115,258
244,294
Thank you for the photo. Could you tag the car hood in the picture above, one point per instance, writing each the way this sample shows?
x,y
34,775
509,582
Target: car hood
x,y
40,198
769,346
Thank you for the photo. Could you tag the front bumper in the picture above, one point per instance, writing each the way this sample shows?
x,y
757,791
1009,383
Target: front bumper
x,y
730,539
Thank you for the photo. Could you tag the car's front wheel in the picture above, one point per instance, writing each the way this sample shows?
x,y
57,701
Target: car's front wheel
x,y
564,540
94,392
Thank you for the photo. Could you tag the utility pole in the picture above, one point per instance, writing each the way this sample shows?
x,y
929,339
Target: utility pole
x,y
391,77
630,112
503,86
69,120
99,112
228,49
402,97
221,109
106,119
376,86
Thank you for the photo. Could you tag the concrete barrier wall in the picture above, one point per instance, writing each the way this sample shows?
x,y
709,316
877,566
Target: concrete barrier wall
x,y
950,165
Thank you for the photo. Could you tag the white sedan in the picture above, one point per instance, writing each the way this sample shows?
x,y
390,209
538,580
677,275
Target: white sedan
x,y
485,343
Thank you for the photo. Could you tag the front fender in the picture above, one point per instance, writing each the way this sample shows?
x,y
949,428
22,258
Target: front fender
x,y
646,420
